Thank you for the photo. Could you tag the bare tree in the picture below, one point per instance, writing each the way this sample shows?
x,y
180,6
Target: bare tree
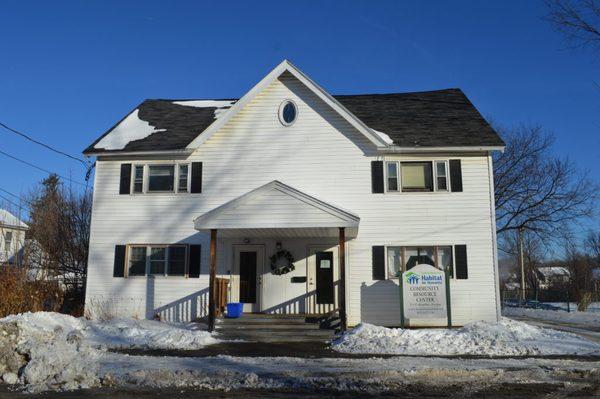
x,y
535,190
59,223
592,244
578,21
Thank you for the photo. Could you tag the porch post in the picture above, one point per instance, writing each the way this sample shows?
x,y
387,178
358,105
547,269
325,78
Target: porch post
x,y
342,288
212,304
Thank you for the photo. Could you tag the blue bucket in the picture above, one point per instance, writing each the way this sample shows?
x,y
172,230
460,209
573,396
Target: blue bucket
x,y
234,309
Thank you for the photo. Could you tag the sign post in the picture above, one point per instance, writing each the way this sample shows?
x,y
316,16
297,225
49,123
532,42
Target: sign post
x,y
424,294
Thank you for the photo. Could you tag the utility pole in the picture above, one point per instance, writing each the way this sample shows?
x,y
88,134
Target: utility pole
x,y
522,263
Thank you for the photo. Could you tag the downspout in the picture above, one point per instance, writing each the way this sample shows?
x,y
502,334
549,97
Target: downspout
x,y
494,237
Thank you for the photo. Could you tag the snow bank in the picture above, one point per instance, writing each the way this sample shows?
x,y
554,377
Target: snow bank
x,y
65,352
129,129
506,338
591,319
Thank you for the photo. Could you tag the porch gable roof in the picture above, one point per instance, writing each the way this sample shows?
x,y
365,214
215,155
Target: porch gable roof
x,y
276,206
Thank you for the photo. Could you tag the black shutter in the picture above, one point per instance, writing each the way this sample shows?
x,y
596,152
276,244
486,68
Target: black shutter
x,y
119,267
194,261
460,252
378,262
125,184
377,177
455,175
196,177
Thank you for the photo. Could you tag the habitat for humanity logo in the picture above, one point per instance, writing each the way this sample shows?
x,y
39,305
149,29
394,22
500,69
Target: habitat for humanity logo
x,y
412,278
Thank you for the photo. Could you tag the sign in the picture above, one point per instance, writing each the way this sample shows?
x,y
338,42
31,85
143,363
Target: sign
x,y
424,293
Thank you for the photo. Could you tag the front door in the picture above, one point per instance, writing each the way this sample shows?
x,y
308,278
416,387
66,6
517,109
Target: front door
x,y
322,273
247,271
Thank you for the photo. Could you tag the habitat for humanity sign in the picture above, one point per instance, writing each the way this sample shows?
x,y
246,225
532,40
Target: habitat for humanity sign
x,y
424,293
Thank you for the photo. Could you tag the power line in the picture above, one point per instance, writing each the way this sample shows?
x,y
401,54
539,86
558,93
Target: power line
x,y
14,203
42,169
19,197
43,144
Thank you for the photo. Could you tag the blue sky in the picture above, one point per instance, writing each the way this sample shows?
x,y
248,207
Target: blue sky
x,y
70,70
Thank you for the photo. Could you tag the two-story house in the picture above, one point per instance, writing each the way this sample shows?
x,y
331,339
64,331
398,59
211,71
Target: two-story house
x,y
303,201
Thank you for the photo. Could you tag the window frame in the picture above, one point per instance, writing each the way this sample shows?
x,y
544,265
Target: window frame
x,y
434,176
148,261
8,243
418,190
282,107
403,257
188,180
387,177
146,178
133,169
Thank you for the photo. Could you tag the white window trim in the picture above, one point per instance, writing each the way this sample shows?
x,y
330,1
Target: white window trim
x,y
398,163
280,112
188,180
387,268
147,264
146,178
435,175
399,183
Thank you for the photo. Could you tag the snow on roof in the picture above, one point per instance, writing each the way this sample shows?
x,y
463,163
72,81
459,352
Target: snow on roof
x,y
554,271
383,136
8,219
129,129
220,105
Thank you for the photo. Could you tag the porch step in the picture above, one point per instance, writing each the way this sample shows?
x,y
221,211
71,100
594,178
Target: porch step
x,y
276,328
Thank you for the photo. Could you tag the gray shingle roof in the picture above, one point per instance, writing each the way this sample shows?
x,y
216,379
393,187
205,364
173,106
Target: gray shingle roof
x,y
441,118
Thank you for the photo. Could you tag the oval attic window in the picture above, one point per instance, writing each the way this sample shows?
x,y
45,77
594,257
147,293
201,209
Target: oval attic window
x,y
288,112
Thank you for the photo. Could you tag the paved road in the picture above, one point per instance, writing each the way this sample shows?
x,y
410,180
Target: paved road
x,y
591,333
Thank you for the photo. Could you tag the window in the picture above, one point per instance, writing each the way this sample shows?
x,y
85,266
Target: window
x,y
287,112
416,176
137,261
392,176
441,176
138,179
182,183
158,260
400,259
8,238
161,177
176,261
417,256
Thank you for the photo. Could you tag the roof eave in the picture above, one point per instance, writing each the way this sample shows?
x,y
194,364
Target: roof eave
x,y
400,149
184,151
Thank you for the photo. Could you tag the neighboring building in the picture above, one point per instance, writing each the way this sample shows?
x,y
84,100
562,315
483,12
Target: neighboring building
x,y
291,174
552,277
12,237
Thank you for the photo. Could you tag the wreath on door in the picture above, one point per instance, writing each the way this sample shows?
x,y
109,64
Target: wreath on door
x,y
282,262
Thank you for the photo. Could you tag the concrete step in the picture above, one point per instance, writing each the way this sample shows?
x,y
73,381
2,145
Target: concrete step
x,y
278,336
266,326
279,333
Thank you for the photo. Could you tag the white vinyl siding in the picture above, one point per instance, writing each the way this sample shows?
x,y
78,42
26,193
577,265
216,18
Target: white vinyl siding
x,y
322,155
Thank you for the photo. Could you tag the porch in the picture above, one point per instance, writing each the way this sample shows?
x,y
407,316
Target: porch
x,y
284,253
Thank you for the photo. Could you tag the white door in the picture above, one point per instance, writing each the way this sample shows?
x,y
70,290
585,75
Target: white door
x,y
246,279
322,283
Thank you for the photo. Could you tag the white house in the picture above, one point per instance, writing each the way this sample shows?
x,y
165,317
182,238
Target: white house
x,y
12,237
305,202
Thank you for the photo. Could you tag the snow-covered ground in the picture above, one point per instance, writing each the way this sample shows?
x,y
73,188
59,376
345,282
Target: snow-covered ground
x,y
49,351
589,319
65,352
506,338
